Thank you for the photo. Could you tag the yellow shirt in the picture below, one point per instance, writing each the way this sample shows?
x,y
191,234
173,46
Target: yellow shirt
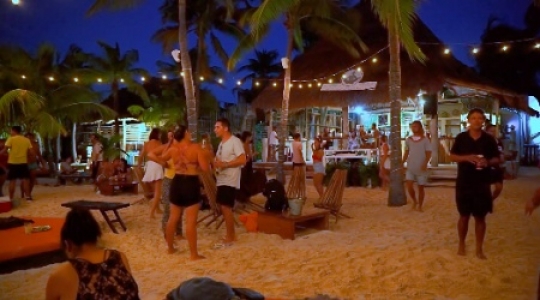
x,y
169,172
18,149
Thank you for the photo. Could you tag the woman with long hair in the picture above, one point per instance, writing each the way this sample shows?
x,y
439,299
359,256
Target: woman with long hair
x,y
189,160
91,272
154,172
318,166
384,162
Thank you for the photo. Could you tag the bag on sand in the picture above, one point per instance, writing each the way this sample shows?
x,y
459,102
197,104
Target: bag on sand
x,y
276,198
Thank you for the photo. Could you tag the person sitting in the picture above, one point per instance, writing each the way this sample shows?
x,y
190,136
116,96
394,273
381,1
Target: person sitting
x,y
66,169
123,171
91,272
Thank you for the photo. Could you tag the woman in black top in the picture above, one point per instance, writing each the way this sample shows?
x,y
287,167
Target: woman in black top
x,y
91,272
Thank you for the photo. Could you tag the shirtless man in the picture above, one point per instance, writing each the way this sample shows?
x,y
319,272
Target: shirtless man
x,y
189,160
34,160
154,172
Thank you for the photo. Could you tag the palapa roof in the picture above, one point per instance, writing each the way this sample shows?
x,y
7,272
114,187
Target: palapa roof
x,y
324,59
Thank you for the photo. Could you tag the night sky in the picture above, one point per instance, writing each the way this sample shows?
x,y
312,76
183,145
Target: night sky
x,y
459,23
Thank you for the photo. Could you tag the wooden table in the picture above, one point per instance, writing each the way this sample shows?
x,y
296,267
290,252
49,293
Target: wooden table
x,y
103,208
285,225
107,188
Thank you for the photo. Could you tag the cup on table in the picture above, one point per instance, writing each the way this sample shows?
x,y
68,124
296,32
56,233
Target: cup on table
x,y
28,228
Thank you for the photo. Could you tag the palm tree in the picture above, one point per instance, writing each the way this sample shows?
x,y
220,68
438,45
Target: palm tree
x,y
265,65
398,17
118,69
322,17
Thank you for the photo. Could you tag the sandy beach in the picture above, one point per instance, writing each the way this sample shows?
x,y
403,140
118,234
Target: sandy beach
x,y
381,253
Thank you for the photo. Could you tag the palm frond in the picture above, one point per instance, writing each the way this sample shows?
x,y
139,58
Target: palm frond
x,y
112,5
218,48
268,12
247,43
336,32
167,37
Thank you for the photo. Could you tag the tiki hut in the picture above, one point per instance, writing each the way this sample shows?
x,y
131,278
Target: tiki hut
x,y
325,60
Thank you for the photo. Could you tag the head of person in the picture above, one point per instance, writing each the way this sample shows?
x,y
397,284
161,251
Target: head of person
x,y
296,136
476,118
154,134
222,128
316,144
383,138
68,159
93,138
492,130
15,130
123,164
80,229
170,135
246,137
182,134
116,162
417,128
373,126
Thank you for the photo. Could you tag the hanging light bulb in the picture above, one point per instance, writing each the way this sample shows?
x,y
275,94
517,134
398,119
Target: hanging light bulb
x,y
447,51
344,76
300,86
143,79
51,78
359,69
475,50
182,74
291,85
201,78
220,81
164,76
318,84
23,77
330,80
504,48
121,79
256,83
15,2
239,82
274,84
537,46
309,85
76,79
374,60
99,80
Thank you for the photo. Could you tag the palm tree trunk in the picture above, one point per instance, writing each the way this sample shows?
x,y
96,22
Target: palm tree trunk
x,y
283,133
201,50
74,141
396,195
116,106
191,101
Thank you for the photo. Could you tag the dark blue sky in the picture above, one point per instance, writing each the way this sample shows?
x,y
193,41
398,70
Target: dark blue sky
x,y
459,23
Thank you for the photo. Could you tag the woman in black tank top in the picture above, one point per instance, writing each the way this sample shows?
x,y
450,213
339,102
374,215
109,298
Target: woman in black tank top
x,y
91,272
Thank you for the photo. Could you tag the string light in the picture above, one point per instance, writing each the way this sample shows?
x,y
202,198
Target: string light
x,y
143,79
121,79
23,77
51,78
475,50
182,74
220,81
99,80
537,46
164,76
319,84
446,51
504,48
275,84
374,60
300,86
76,79
309,85
359,69
256,83
201,78
330,80
238,82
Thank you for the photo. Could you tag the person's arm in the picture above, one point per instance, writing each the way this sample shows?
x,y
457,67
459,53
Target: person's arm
x,y
156,154
140,159
239,161
62,284
533,203
428,155
202,158
406,152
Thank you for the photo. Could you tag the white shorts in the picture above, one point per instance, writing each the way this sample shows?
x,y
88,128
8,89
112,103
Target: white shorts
x,y
153,172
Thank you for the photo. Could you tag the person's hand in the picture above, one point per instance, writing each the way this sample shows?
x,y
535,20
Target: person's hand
x,y
424,167
529,207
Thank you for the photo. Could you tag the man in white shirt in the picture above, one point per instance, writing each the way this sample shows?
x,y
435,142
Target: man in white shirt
x,y
230,158
272,144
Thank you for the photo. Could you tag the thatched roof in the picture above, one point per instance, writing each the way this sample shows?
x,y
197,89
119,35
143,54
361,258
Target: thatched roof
x,y
324,59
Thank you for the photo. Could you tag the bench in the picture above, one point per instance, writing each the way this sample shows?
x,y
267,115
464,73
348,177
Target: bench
x,y
103,208
285,225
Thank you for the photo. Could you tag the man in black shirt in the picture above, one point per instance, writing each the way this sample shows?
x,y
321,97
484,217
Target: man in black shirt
x,y
475,152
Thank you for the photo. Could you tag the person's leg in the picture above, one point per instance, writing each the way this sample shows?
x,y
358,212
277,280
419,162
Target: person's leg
x,y
176,212
225,197
412,193
11,188
26,187
191,230
463,228
31,183
480,232
498,186
421,181
318,183
157,197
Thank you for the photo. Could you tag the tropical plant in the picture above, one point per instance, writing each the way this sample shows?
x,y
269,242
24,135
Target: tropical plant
x,y
118,69
264,65
323,17
398,17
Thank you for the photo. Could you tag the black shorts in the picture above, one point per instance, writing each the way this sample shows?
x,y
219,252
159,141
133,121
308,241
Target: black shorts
x,y
496,175
2,171
185,190
474,200
18,171
95,169
226,195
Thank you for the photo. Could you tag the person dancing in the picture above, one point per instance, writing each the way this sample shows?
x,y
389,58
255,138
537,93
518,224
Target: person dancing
x,y
318,166
185,193
154,172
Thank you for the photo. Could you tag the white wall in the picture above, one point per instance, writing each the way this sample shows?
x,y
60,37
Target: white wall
x,y
534,123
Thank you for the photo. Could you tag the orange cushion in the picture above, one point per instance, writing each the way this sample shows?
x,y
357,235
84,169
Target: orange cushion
x,y
16,243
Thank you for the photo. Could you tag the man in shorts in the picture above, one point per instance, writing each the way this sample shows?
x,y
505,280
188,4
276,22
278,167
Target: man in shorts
x,y
417,155
230,158
476,152
19,148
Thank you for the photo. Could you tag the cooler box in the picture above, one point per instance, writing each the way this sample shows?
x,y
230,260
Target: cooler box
x,y
5,204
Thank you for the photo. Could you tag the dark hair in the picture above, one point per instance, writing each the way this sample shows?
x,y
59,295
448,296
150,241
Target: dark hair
x,y
225,123
245,135
80,228
476,110
180,133
154,134
417,122
296,135
17,129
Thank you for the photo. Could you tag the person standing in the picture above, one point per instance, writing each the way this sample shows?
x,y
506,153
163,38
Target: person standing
x,y
230,157
272,144
34,161
318,166
96,156
384,163
475,152
497,172
153,173
19,148
417,155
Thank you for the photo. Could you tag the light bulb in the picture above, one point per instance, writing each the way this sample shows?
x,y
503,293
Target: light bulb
x,y
330,80
504,48
475,50
239,82
201,78
374,60
23,77
344,76
99,80
51,78
537,46
121,79
220,81
182,74
275,84
319,84
143,79
309,85
300,86
164,76
359,69
76,79
256,83
15,2
446,51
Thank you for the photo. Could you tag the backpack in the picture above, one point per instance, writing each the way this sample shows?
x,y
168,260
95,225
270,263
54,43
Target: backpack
x,y
276,199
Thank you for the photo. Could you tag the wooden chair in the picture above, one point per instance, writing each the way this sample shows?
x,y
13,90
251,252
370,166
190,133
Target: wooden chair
x,y
148,193
333,195
297,185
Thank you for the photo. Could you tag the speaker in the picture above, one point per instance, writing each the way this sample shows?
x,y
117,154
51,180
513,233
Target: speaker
x,y
430,104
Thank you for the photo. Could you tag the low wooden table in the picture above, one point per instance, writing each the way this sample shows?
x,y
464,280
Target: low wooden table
x,y
107,188
285,225
103,208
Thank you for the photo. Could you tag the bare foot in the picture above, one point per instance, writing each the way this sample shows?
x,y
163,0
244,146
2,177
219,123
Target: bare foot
x,y
197,257
480,255
461,250
172,250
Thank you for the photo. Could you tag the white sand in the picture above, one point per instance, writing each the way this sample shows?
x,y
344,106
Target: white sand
x,y
382,253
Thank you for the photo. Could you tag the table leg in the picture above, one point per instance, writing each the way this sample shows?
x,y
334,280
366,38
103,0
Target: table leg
x,y
119,220
106,217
